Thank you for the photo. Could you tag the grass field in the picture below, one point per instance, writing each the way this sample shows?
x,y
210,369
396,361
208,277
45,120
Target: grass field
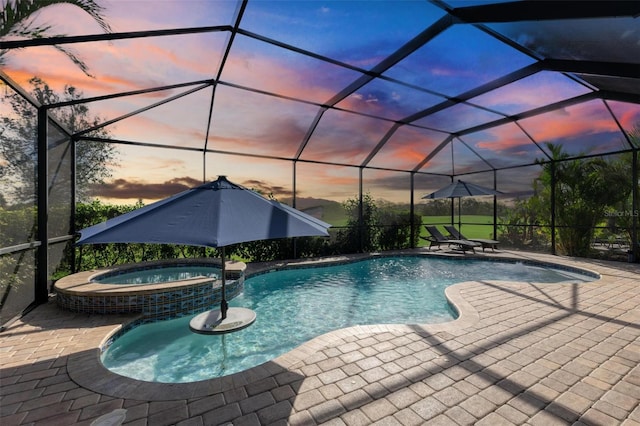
x,y
472,226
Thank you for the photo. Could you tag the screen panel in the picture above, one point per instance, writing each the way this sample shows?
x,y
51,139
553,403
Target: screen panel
x,y
18,156
248,122
355,32
586,128
344,138
17,283
407,147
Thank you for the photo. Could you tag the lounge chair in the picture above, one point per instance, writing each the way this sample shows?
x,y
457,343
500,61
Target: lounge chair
x,y
436,239
486,243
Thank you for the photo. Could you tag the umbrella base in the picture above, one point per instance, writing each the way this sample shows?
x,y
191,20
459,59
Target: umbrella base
x,y
211,322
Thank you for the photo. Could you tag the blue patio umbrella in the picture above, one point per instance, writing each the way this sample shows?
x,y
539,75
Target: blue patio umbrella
x,y
461,189
215,214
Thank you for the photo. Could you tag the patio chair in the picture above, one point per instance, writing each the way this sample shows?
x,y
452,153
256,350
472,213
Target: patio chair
x,y
436,239
486,243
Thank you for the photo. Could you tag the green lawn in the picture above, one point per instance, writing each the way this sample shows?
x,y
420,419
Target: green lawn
x,y
472,226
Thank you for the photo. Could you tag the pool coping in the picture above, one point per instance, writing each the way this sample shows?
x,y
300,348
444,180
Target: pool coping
x,y
87,370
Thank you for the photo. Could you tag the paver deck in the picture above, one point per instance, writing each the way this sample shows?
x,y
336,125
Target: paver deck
x,y
520,353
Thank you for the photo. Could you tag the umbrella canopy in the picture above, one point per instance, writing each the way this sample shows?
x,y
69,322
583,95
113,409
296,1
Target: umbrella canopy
x,y
461,189
215,214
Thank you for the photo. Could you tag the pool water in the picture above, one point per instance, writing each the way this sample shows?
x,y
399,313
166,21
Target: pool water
x,y
159,275
296,305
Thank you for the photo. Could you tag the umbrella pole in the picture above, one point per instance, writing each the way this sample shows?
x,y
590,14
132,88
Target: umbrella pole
x,y
223,303
215,321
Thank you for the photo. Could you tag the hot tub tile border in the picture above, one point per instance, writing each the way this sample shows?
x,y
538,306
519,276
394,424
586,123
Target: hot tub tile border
x,y
154,303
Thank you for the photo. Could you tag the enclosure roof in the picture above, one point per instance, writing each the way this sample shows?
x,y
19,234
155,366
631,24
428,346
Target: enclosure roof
x,y
442,87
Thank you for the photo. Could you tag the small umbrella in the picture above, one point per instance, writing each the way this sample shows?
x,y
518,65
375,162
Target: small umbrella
x,y
461,189
215,214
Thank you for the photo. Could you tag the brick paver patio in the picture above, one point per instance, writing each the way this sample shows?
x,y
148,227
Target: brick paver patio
x,y
520,353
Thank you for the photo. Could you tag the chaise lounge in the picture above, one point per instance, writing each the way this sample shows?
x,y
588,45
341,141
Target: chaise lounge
x,y
436,239
486,243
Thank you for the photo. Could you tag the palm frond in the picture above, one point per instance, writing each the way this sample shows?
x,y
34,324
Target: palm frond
x,y
79,62
16,15
17,12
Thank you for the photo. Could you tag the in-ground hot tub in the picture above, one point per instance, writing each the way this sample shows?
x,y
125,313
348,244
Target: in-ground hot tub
x,y
183,294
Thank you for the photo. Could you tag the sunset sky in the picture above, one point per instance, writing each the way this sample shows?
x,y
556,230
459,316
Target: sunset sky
x,y
268,97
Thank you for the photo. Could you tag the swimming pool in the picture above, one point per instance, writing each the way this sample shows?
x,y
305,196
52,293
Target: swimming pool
x,y
296,305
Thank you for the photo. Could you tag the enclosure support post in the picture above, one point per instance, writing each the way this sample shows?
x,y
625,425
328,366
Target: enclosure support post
x,y
412,222
360,209
634,206
72,225
453,208
453,211
495,205
293,204
553,207
204,166
42,269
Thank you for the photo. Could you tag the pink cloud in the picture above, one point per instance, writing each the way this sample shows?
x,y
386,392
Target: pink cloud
x,y
584,119
501,138
276,75
143,128
531,92
407,148
357,136
628,115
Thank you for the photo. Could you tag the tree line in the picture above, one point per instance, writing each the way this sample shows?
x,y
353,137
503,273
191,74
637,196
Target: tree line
x,y
588,197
